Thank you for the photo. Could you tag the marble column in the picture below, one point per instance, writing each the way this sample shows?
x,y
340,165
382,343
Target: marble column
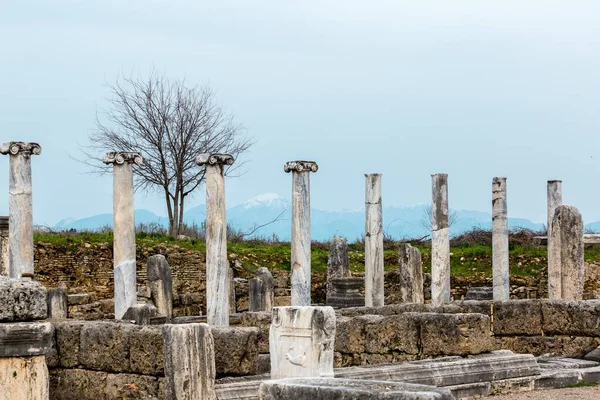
x,y
566,278
554,196
261,292
20,207
373,242
301,229
410,272
440,241
4,246
217,267
500,271
125,291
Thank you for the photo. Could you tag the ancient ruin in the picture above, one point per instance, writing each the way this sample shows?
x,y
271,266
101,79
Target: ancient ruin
x,y
374,296
440,241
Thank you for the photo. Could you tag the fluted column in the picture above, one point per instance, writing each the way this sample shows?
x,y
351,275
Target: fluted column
x,y
125,291
20,206
301,229
440,241
500,269
217,266
373,242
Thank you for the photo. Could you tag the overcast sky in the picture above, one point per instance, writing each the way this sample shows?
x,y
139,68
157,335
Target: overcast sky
x,y
405,88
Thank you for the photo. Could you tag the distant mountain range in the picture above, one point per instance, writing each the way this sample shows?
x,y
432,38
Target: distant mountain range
x,y
399,222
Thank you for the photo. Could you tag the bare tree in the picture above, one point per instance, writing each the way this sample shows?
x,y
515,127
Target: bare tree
x,y
427,214
170,124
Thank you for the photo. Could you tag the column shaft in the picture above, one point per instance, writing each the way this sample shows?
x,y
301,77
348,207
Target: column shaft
x,y
554,196
20,236
374,283
440,241
301,256
500,267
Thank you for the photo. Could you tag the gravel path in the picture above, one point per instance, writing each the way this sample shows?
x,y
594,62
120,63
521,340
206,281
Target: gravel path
x,y
582,393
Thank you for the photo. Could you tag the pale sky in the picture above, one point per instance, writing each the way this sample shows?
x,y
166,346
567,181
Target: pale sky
x,y
475,89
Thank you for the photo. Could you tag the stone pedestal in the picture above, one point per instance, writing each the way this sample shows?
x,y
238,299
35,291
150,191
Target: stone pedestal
x,y
500,269
189,362
124,229
301,256
374,283
554,199
217,267
57,303
411,274
160,283
440,241
4,271
20,236
565,278
301,342
338,265
480,293
346,293
261,292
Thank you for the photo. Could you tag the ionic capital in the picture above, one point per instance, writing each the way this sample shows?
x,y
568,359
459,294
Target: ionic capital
x,y
214,159
299,166
122,157
25,148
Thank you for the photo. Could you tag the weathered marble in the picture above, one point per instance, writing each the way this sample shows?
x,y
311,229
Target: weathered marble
x,y
554,199
217,267
301,254
232,302
440,241
57,303
500,271
160,283
344,389
301,342
565,279
411,274
338,265
261,292
25,339
347,293
22,300
4,271
374,292
124,229
24,378
189,362
20,236
140,314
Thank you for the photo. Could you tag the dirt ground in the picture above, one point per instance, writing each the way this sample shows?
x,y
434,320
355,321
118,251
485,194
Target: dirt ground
x,y
582,393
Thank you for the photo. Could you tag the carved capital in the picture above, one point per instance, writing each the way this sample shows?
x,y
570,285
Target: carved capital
x,y
214,159
122,157
14,148
299,166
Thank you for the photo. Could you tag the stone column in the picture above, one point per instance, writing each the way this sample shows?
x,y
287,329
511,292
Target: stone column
x,y
4,271
338,265
189,354
301,229
160,282
411,274
301,342
124,229
440,241
261,292
373,242
500,271
566,246
20,207
554,193
217,266
56,300
232,302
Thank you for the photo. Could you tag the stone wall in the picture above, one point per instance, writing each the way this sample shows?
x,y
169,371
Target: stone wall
x,y
108,360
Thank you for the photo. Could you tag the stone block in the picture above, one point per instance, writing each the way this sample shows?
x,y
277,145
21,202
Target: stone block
x,y
104,346
25,339
343,389
566,346
189,362
454,334
396,333
301,342
236,350
593,355
140,314
67,336
517,317
262,321
24,378
130,386
160,283
351,333
346,293
471,390
22,300
476,306
56,301
576,318
480,293
557,379
146,353
77,384
78,299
